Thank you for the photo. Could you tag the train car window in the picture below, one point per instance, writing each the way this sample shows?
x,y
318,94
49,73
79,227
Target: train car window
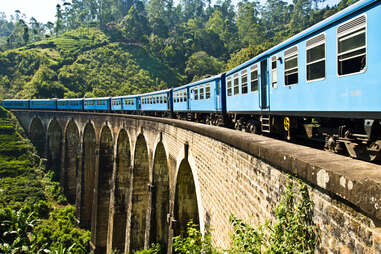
x,y
274,72
291,66
351,46
161,99
244,81
181,96
229,86
207,91
236,84
185,96
254,78
165,98
196,93
315,54
201,92
218,85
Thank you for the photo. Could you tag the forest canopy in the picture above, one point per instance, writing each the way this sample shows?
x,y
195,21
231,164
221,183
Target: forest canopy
x,y
114,47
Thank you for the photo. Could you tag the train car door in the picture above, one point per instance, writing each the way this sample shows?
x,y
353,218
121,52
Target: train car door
x,y
264,98
218,94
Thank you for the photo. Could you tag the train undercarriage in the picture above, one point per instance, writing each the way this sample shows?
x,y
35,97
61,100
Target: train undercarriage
x,y
358,138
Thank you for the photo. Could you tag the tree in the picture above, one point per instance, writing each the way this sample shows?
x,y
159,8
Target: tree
x,y
248,22
200,64
135,26
59,21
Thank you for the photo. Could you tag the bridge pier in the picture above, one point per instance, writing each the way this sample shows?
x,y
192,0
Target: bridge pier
x,y
144,187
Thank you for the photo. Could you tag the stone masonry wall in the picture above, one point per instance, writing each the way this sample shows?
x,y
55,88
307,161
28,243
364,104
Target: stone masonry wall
x,y
245,174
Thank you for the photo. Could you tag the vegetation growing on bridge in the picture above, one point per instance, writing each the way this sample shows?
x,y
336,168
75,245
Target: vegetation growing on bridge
x,y
32,217
292,230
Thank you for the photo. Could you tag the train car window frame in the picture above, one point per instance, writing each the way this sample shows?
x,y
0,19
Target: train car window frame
x,y
202,95
165,98
244,84
218,87
207,91
195,93
254,82
291,54
360,27
185,96
235,84
274,72
161,99
313,43
181,96
229,86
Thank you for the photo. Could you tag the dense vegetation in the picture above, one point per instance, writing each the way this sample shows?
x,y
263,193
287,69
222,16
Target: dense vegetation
x,y
33,212
292,230
113,47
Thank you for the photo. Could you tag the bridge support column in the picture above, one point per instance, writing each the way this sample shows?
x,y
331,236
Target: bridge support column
x,y
94,211
78,200
62,169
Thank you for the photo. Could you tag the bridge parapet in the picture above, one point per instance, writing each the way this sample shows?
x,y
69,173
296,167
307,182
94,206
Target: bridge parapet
x,y
227,172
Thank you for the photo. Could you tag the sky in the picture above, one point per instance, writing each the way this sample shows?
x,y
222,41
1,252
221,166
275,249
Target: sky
x,y
45,10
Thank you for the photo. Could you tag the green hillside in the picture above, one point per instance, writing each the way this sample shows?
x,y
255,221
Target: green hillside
x,y
34,217
83,62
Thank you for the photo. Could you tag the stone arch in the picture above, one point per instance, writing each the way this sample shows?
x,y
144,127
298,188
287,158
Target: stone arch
x,y
88,175
106,160
37,135
71,161
140,194
186,205
122,191
54,137
160,198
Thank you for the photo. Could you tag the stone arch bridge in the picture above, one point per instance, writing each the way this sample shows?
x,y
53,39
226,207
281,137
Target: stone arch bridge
x,y
138,180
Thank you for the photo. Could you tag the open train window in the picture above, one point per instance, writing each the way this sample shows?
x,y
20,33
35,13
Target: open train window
x,y
244,81
201,92
161,99
274,72
218,85
229,86
291,66
236,84
165,98
351,46
315,58
207,91
195,93
185,95
254,78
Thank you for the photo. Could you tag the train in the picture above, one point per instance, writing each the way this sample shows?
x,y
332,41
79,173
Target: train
x,y
322,84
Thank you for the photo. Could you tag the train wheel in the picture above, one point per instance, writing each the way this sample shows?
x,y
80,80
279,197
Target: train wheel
x,y
370,152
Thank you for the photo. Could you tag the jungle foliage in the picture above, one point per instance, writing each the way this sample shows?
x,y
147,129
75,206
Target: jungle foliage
x,y
34,217
114,47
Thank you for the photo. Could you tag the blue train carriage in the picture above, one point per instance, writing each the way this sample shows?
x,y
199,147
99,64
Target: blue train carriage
x,y
15,104
157,103
125,104
203,100
48,104
323,83
70,104
97,104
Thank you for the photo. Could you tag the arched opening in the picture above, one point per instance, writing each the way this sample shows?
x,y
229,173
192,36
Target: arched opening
x,y
186,207
89,157
71,161
54,148
104,188
122,186
139,194
160,199
37,136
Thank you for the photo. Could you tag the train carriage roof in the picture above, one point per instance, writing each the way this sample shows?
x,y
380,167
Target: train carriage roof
x,y
71,99
309,31
125,97
156,92
100,98
218,76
